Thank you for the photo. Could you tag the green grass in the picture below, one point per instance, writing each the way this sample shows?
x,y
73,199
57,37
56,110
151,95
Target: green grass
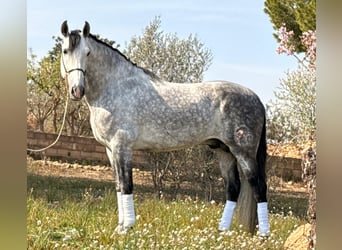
x,y
70,213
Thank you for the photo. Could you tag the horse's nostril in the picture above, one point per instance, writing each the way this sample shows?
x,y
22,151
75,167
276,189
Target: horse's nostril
x,y
74,91
77,92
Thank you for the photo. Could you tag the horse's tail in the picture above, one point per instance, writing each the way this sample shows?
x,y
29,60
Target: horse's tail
x,y
246,205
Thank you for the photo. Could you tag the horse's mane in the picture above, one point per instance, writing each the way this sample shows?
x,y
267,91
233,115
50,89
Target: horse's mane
x,y
146,71
75,38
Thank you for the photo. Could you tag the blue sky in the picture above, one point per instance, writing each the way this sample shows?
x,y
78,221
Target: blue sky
x,y
238,33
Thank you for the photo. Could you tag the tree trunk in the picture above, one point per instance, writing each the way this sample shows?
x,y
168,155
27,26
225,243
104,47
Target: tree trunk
x,y
309,176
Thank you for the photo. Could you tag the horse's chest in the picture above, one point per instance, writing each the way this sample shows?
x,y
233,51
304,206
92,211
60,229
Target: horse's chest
x,y
102,125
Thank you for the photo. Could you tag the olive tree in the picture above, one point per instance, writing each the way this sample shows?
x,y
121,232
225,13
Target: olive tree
x,y
168,56
292,115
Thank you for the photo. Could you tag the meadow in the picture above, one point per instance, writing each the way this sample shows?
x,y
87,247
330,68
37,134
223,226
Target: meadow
x,y
81,213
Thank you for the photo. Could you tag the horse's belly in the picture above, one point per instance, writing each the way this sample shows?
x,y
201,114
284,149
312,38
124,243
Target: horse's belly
x,y
165,145
169,138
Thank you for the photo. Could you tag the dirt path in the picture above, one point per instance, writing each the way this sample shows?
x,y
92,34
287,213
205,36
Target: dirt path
x,y
105,173
96,172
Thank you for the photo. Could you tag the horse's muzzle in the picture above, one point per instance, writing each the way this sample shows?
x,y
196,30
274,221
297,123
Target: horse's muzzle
x,y
77,93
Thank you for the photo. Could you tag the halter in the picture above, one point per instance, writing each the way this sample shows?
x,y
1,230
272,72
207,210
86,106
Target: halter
x,y
67,72
79,69
71,70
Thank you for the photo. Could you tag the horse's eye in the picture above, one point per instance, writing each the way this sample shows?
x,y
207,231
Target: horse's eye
x,y
65,51
88,53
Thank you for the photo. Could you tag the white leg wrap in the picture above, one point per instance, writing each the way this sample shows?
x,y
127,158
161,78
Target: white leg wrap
x,y
227,215
264,226
120,208
128,209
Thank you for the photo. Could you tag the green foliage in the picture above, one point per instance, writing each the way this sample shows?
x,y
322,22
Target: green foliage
x,y
169,57
44,89
45,73
298,15
292,116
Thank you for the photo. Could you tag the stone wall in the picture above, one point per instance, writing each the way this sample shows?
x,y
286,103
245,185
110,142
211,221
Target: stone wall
x,y
284,167
70,148
74,148
67,147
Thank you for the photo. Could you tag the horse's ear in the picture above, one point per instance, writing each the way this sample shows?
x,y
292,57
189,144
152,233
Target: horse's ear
x,y
65,29
86,29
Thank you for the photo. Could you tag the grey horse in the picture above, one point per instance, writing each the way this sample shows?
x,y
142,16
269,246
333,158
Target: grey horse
x,y
133,109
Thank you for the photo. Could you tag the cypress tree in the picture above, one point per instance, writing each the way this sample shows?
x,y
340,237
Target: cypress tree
x,y
298,15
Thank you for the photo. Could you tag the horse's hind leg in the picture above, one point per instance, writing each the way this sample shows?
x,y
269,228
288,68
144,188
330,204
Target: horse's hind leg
x,y
230,175
255,175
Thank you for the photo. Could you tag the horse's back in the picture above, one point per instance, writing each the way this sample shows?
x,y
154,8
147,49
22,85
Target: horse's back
x,y
226,97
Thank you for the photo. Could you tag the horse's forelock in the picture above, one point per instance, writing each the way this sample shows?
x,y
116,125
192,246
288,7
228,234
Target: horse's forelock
x,y
74,39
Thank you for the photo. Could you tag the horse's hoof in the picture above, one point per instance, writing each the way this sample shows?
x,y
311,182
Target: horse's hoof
x,y
225,232
223,229
264,235
120,230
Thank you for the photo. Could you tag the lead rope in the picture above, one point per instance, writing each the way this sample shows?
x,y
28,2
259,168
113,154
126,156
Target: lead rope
x,y
61,129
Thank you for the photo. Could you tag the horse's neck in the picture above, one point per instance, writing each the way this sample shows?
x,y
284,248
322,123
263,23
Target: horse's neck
x,y
108,71
103,62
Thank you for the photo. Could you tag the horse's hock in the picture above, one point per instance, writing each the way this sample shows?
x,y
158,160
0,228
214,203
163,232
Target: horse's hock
x,y
88,149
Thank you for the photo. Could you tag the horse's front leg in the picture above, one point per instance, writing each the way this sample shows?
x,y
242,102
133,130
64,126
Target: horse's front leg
x,y
122,159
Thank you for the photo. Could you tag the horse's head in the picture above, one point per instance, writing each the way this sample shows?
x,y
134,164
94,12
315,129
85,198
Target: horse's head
x,y
74,59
